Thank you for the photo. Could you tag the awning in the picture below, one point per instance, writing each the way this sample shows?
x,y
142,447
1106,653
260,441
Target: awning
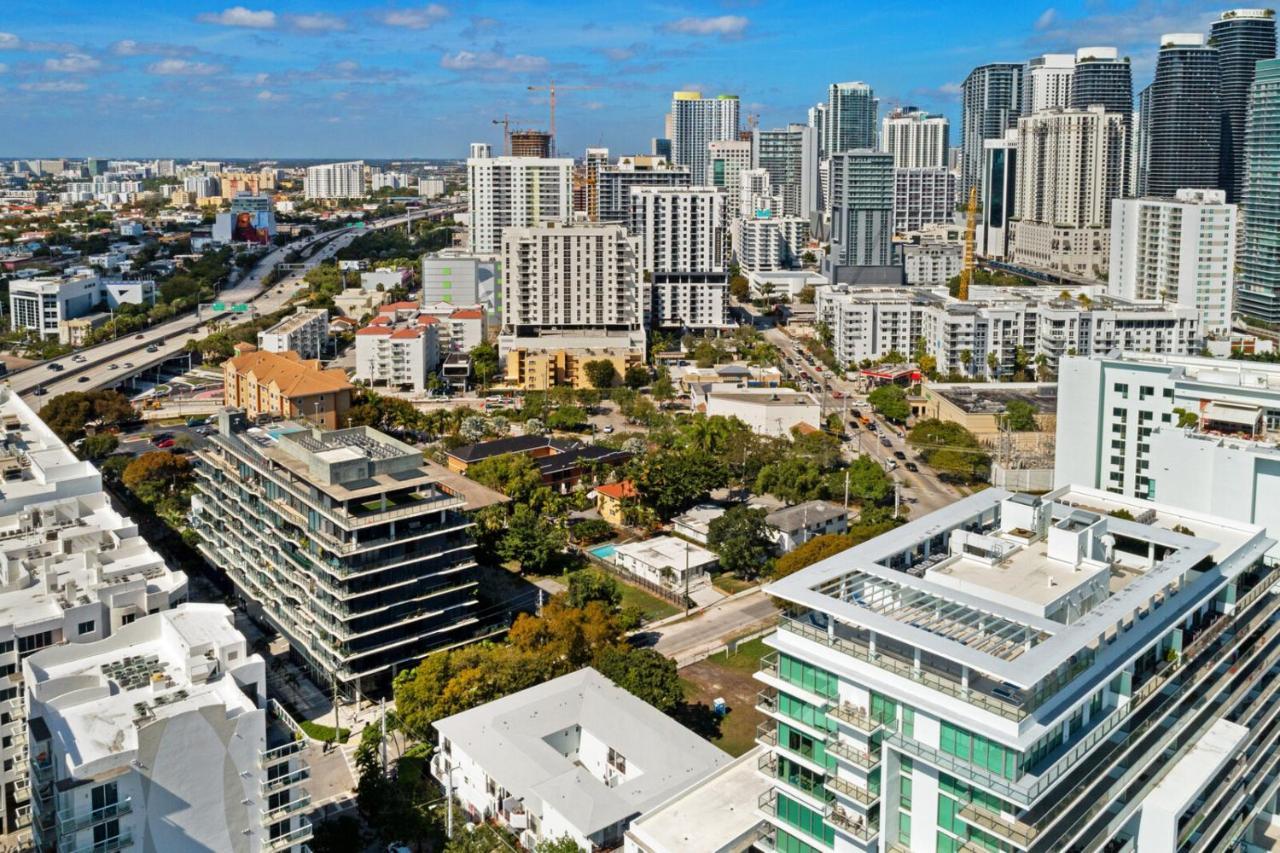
x,y
1232,413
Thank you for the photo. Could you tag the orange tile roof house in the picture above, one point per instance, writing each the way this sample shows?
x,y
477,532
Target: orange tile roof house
x,y
269,383
611,500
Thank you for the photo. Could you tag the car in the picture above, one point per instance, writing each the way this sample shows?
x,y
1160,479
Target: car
x,y
128,364
871,426
53,365
83,379
839,395
912,467
608,429
158,437
139,337
153,348
78,358
40,391
885,442
855,424
855,414
898,454
164,444
113,366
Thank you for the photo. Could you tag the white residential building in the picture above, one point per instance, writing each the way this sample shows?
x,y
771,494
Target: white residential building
x,y
978,677
696,122
688,300
729,158
334,181
790,157
1046,82
667,561
916,139
861,208
793,526
850,119
305,332
389,181
42,304
515,192
609,199
400,348
1180,249
679,229
766,411
931,264
766,243
461,328
1071,165
430,186
385,279
159,737
922,197
576,756
455,277
755,194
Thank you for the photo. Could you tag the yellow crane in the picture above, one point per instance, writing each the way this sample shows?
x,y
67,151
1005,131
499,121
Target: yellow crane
x,y
970,230
551,90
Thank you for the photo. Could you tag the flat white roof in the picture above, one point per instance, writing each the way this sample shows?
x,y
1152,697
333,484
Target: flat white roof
x,y
667,551
508,739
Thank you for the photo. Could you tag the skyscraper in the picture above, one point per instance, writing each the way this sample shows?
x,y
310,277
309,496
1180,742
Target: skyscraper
x,y
1184,124
1259,290
506,192
850,117
1242,37
1102,77
335,180
1046,82
916,139
697,121
818,121
997,195
992,103
728,159
861,208
790,156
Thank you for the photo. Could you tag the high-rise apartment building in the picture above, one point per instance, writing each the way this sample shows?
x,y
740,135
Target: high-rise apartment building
x,y
159,737
1243,38
531,143
696,122
921,197
515,192
817,119
335,181
916,139
1071,164
679,229
343,540
729,158
1046,82
1036,673
997,195
861,206
612,193
305,332
1259,290
1102,77
790,156
850,117
992,99
1184,126
1179,250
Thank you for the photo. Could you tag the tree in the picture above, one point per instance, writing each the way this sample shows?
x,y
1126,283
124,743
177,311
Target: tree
x,y
68,413
636,377
99,447
891,402
868,482
473,428
793,479
741,537
1020,416
817,548
588,531
484,362
601,373
567,418
530,541
158,476
645,673
563,844
1186,418
807,293
739,288
514,474
586,585
950,449
662,388
670,482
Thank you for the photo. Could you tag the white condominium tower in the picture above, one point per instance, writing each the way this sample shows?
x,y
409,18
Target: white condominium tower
x,y
1073,671
729,158
697,122
1180,249
850,117
679,229
335,181
1046,82
790,156
916,139
506,192
861,206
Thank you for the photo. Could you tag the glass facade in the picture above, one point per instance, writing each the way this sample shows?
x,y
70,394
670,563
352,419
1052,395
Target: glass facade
x,y
1259,261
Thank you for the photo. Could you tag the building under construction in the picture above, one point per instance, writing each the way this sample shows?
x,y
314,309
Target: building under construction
x,y
530,143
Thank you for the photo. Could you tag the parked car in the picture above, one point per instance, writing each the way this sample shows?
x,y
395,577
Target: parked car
x,y
138,337
83,379
113,366
912,467
898,454
165,444
153,348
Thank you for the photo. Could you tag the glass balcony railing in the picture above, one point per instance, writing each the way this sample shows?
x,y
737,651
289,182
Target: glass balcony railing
x,y
70,822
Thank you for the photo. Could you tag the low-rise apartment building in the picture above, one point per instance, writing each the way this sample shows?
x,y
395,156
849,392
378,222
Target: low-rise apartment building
x,y
282,385
305,332
346,541
158,738
1026,673
400,348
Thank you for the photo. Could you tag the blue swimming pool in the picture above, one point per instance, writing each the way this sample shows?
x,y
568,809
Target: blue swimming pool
x,y
604,552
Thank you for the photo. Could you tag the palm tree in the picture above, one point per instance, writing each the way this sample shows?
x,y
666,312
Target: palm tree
x,y
993,364
708,434
966,359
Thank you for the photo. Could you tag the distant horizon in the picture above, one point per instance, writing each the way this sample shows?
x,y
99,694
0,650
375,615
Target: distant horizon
x,y
328,80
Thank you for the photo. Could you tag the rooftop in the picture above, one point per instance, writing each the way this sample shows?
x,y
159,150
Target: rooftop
x,y
296,321
667,551
520,741
34,463
293,376
991,398
810,512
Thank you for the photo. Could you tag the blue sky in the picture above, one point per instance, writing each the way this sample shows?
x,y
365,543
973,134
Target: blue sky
x,y
335,78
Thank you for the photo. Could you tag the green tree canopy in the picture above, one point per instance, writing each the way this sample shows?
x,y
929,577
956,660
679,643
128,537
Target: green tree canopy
x,y
601,373
531,541
950,449
741,537
1020,416
891,402
67,414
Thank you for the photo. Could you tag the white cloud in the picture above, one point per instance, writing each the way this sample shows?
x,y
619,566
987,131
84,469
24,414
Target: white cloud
x,y
182,68
1047,19
724,26
486,60
8,41
318,22
54,86
268,96
239,16
129,47
414,18
72,63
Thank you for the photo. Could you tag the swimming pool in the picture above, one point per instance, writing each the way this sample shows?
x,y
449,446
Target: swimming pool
x,y
604,552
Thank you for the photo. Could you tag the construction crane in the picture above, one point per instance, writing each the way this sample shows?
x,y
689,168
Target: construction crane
x,y
506,121
551,89
970,230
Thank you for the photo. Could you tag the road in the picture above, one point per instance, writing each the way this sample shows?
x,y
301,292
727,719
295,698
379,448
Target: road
x,y
95,363
689,640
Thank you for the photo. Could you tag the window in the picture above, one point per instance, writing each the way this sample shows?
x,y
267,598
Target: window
x,y
809,677
6,647
103,796
1122,389
27,645
128,618
904,829
617,761
805,819
980,751
85,627
904,788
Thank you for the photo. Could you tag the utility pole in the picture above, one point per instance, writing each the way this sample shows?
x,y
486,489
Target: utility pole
x,y
846,488
337,724
896,484
686,579
382,710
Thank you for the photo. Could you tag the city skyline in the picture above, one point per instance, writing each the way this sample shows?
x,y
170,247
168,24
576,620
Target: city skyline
x,y
329,79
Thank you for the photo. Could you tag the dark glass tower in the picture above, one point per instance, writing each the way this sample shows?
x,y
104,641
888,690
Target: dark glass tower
x,y
1100,77
1258,293
1242,37
1185,108
992,104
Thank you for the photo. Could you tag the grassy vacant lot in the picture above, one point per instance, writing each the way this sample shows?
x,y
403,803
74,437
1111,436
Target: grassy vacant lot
x,y
651,606
729,678
729,584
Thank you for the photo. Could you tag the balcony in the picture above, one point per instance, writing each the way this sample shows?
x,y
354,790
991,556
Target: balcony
x,y
291,839
859,757
280,753
289,808
69,822
119,842
861,796
863,829
288,780
856,718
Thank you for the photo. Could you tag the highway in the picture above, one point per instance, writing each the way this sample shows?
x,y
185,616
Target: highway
x,y
107,363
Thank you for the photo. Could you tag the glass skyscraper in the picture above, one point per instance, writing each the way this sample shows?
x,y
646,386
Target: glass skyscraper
x,y
850,117
1102,78
1242,38
992,104
1183,124
1258,291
